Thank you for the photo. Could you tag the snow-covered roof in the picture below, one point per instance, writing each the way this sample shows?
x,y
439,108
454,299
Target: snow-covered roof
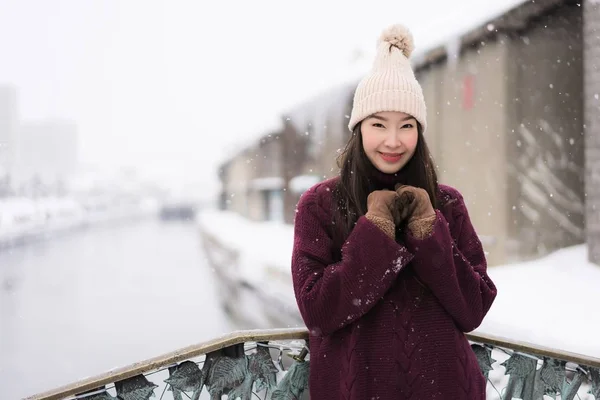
x,y
270,125
317,110
496,16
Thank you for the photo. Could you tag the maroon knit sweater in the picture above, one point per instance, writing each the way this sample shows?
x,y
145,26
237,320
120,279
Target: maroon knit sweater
x,y
387,320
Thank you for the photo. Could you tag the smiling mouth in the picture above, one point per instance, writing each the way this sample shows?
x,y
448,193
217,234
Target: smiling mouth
x,y
391,157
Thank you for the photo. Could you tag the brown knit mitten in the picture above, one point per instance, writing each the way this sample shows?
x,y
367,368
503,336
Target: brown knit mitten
x,y
422,228
384,224
415,204
380,211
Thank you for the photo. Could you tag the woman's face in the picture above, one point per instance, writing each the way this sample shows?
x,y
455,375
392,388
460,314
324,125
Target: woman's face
x,y
389,139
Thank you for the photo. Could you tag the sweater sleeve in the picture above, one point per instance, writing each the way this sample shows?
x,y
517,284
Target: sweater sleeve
x,y
455,270
331,295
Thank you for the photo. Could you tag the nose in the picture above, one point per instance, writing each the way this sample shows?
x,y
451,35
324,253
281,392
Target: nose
x,y
392,140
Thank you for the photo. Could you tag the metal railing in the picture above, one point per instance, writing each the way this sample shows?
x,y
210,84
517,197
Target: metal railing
x,y
272,364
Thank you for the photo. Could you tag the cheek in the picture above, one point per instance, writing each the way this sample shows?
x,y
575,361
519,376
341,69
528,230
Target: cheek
x,y
411,142
369,142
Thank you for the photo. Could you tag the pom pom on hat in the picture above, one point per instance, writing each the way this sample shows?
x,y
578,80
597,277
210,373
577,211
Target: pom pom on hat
x,y
400,37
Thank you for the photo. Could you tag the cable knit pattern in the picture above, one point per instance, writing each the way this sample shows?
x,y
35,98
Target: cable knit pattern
x,y
349,367
387,318
406,340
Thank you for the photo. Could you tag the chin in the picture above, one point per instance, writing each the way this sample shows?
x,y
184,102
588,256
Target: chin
x,y
389,169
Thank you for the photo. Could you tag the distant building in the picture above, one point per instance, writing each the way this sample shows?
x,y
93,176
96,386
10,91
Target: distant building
x,y
252,182
508,125
47,150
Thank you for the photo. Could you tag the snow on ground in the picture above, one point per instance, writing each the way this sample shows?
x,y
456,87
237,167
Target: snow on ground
x,y
268,242
549,302
552,301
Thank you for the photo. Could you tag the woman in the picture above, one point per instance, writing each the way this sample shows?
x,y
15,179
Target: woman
x,y
388,270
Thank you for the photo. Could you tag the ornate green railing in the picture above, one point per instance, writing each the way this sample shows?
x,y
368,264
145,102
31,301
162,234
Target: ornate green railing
x,y
273,364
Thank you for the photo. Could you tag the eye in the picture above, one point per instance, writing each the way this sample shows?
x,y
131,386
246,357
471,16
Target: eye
x,y
378,125
408,126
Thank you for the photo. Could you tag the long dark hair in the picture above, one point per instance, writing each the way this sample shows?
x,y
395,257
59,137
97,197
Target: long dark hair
x,y
354,185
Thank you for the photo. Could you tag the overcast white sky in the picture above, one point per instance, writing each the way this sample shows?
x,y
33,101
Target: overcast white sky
x,y
165,85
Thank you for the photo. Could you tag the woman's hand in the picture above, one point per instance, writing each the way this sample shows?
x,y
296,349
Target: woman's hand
x,y
382,203
414,206
382,211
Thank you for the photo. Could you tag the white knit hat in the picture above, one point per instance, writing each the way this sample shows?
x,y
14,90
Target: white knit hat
x,y
391,84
